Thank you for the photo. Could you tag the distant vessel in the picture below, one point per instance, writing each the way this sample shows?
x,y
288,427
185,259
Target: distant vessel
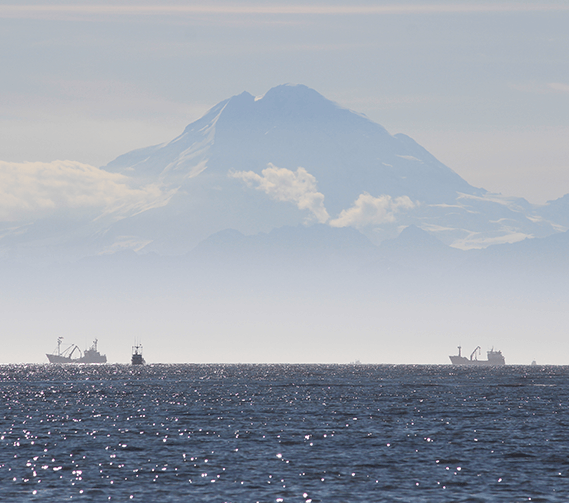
x,y
90,355
494,358
137,358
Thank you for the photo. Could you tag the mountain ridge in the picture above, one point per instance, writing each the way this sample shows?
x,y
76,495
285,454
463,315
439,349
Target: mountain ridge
x,y
294,147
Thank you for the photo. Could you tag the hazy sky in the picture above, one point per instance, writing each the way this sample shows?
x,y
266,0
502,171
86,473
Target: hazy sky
x,y
484,86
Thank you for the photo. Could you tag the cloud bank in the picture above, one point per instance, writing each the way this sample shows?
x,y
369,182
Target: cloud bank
x,y
281,184
32,190
369,210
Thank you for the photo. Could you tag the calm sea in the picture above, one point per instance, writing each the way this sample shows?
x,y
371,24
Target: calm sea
x,y
283,433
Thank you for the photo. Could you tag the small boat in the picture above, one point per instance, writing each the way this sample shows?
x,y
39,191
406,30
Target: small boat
x,y
90,355
137,358
494,358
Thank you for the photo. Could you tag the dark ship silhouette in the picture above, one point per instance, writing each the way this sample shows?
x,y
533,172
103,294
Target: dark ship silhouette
x,y
90,355
137,358
494,358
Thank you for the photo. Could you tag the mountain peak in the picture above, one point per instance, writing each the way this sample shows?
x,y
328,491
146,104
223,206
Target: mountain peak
x,y
293,91
280,104
298,101
243,98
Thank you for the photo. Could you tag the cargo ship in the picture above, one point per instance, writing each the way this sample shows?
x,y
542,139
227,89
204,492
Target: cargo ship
x,y
494,358
72,354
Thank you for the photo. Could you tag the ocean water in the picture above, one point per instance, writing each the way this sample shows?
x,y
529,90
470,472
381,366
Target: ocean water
x,y
283,433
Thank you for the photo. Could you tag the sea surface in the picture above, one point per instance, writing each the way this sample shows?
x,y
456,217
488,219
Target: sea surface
x,y
283,433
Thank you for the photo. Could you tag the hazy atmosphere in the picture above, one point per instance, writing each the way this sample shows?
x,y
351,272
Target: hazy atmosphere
x,y
273,182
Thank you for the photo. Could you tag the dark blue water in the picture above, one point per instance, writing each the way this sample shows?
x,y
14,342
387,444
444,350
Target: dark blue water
x,y
290,433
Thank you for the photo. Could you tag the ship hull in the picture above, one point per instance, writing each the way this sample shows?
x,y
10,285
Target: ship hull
x,y
64,359
461,360
137,359
58,359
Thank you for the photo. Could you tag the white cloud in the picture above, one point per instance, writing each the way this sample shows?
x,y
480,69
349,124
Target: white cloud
x,y
123,243
512,203
476,240
557,86
31,190
282,184
369,210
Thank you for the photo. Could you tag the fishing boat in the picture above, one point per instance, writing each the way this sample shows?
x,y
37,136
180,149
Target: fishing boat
x,y
68,355
494,358
137,358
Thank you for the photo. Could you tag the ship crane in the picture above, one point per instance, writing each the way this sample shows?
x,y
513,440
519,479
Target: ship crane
x,y
75,348
478,348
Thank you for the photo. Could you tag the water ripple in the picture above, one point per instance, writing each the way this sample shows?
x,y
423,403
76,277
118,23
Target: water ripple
x,y
290,433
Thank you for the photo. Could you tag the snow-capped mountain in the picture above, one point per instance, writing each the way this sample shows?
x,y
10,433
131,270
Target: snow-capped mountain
x,y
292,127
293,157
254,164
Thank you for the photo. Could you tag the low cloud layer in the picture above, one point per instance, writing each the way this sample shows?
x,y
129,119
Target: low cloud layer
x,y
31,190
281,184
369,210
557,86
